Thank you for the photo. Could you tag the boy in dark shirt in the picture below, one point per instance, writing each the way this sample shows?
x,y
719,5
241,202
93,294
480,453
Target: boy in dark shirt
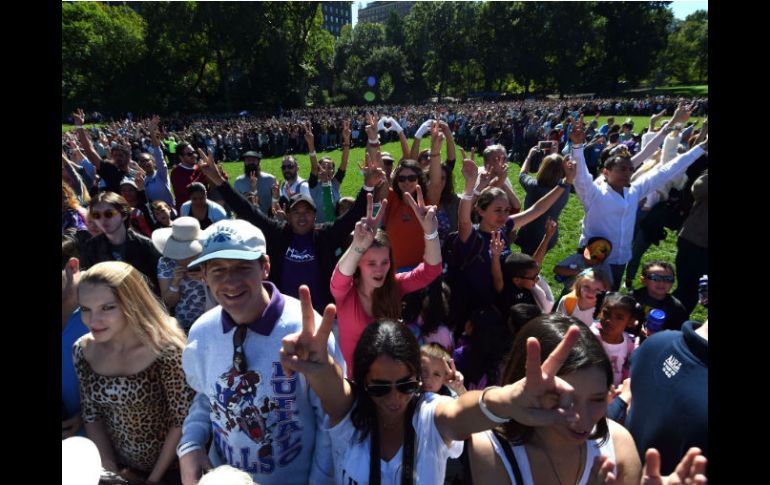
x,y
657,280
521,275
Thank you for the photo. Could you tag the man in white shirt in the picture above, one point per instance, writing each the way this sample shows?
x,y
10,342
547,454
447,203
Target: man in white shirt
x,y
292,182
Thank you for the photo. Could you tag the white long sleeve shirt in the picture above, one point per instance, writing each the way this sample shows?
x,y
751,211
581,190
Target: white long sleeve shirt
x,y
611,215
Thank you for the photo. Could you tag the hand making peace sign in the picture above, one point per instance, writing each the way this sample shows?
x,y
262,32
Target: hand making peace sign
x,y
306,351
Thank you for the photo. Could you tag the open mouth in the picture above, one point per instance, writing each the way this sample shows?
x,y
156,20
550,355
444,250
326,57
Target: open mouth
x,y
579,435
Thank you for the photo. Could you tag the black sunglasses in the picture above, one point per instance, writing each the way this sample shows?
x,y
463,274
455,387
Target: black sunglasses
x,y
287,167
404,178
381,390
660,277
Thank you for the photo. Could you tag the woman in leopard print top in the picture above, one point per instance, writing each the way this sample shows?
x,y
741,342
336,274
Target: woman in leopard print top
x,y
133,390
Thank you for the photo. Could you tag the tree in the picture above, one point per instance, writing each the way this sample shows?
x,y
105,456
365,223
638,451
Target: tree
x,y
101,50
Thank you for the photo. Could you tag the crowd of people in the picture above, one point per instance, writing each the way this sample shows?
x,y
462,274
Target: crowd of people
x,y
276,326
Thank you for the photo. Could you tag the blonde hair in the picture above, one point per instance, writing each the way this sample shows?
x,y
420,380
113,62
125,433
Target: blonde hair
x,y
590,274
435,350
144,312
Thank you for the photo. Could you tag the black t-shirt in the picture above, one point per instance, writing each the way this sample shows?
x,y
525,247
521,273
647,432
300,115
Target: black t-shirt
x,y
676,314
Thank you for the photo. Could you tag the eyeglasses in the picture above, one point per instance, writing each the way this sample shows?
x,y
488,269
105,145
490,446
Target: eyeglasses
x,y
381,390
660,277
239,357
108,214
531,278
404,178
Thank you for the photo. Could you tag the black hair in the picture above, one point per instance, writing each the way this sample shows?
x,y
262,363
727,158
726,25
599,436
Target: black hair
x,y
196,187
609,300
520,314
122,149
657,262
587,352
383,337
516,264
411,165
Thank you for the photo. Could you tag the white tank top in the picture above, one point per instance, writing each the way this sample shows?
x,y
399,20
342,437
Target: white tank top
x,y
594,450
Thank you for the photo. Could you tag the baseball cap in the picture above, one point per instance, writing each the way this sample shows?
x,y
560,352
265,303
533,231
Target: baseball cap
x,y
231,239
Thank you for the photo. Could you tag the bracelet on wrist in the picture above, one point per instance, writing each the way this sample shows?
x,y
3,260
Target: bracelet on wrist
x,y
359,250
476,192
467,197
368,189
173,289
485,410
581,145
374,142
433,235
311,154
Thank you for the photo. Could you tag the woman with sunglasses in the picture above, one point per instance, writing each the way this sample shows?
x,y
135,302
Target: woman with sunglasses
x,y
364,284
134,397
590,449
110,212
375,419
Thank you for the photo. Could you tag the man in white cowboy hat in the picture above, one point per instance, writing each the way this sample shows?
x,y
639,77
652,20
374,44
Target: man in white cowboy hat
x,y
264,421
182,289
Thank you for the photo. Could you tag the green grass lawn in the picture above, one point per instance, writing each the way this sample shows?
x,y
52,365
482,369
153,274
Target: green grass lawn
x,y
689,90
65,127
569,221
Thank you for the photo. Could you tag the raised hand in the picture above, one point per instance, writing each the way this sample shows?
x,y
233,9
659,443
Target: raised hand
x,y
655,117
705,144
570,169
278,212
371,126
436,138
306,351
541,398
373,174
139,181
426,215
276,190
253,181
346,132
550,227
496,245
601,471
691,469
455,379
154,124
578,134
682,113
366,228
470,170
78,117
208,167
309,138
381,124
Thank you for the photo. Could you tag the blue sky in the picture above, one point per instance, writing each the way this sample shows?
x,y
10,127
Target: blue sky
x,y
681,8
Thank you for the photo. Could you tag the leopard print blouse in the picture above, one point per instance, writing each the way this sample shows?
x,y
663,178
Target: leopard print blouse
x,y
137,410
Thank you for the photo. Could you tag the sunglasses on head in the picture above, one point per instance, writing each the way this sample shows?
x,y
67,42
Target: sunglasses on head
x,y
108,214
660,277
381,390
405,178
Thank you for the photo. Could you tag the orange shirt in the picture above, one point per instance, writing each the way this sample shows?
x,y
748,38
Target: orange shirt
x,y
405,232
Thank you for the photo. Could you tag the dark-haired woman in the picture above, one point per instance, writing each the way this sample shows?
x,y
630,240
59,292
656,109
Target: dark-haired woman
x,y
375,420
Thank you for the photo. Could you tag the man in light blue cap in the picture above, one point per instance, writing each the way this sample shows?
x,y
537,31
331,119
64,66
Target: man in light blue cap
x,y
264,421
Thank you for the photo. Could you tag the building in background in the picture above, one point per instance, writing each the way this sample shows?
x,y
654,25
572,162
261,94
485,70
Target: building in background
x,y
336,14
378,12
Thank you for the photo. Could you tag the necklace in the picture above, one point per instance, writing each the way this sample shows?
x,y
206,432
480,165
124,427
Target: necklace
x,y
553,467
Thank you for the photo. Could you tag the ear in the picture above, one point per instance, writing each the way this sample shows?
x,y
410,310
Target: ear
x,y
266,267
73,266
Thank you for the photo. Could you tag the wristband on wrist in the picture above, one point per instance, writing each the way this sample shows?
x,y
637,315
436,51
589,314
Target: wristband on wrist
x,y
433,235
476,192
374,142
467,197
274,200
311,154
575,147
564,184
485,410
359,250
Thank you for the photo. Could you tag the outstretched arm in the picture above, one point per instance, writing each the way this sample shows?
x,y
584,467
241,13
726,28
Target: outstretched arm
x,y
542,248
434,179
522,401
542,205
470,172
307,353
